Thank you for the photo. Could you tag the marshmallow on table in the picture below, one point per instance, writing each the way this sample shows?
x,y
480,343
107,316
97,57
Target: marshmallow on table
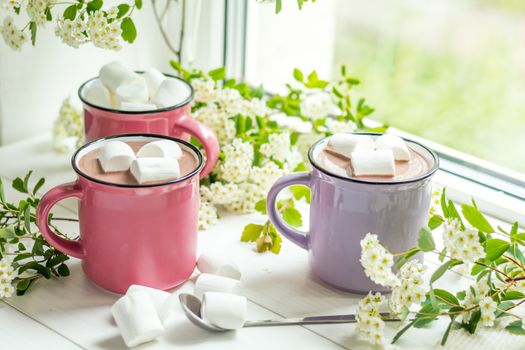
x,y
136,106
97,94
115,74
218,265
134,90
161,149
158,297
137,319
154,169
345,144
115,156
170,92
153,79
394,143
224,310
213,283
373,163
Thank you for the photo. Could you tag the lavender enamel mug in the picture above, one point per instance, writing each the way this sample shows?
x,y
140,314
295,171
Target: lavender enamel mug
x,y
343,210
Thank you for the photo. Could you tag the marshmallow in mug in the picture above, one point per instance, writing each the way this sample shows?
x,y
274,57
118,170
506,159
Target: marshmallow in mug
x,y
227,311
153,78
213,283
137,318
345,144
114,74
159,298
116,156
218,265
154,169
160,149
135,90
373,163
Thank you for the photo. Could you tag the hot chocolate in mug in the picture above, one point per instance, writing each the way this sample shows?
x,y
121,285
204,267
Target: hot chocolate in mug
x,y
344,209
131,233
175,120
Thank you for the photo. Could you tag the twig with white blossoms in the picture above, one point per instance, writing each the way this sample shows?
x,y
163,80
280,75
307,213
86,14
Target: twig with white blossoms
x,y
25,256
495,260
77,22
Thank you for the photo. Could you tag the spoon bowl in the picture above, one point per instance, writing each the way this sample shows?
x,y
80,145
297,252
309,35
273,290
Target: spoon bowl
x,y
191,305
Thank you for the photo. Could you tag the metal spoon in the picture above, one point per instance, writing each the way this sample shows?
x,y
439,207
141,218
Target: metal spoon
x,y
192,308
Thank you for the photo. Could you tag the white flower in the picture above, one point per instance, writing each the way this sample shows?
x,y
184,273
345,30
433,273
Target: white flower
x,y
462,244
13,36
474,295
218,121
9,5
207,215
204,90
377,261
71,32
102,33
219,193
113,12
238,161
487,320
435,203
36,10
292,123
369,323
318,105
6,290
68,130
266,175
277,147
334,126
250,194
410,288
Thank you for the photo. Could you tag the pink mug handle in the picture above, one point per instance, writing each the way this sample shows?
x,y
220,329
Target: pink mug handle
x,y
67,246
205,136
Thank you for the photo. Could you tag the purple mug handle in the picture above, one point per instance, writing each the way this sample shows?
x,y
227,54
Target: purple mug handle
x,y
205,136
67,246
292,234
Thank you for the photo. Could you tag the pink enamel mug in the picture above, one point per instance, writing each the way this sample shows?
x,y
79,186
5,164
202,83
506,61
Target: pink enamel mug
x,y
175,121
131,234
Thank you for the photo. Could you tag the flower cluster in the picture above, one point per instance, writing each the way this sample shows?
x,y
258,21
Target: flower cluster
x,y
37,11
68,129
410,289
377,261
7,275
369,323
9,5
435,202
474,295
462,244
13,36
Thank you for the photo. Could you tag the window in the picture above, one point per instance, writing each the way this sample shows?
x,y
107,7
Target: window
x,y
450,71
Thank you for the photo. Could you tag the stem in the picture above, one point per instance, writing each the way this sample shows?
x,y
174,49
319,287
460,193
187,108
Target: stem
x,y
163,32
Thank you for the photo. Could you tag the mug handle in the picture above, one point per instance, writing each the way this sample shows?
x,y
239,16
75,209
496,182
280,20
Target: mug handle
x,y
292,234
67,246
205,136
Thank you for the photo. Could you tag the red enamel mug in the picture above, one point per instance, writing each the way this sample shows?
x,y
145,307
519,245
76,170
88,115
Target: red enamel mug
x,y
173,121
130,234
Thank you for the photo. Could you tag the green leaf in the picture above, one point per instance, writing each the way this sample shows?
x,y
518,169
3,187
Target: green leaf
x,y
435,221
63,270
300,191
38,185
276,240
23,286
443,268
218,74
27,218
2,193
444,206
18,184
138,3
402,331
516,327
425,240
70,12
298,75
446,296
477,268
494,248
278,6
476,219
49,15
94,5
260,206
502,307
33,28
251,232
122,10
129,32
405,257
447,332
512,295
473,323
57,259
293,217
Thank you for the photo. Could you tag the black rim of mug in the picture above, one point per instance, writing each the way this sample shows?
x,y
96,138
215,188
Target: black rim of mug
x,y
431,172
151,136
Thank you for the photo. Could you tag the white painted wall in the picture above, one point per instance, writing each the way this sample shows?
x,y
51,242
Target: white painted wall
x,y
34,82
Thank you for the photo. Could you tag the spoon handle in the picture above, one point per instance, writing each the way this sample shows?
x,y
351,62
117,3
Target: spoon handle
x,y
350,318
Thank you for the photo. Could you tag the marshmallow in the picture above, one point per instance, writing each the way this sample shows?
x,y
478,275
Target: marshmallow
x,y
158,297
213,283
218,265
135,90
154,169
137,319
115,74
344,144
227,311
153,79
394,143
375,163
160,149
170,92
136,106
115,156
97,94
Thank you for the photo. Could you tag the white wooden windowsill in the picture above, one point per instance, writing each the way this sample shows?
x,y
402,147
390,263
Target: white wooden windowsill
x,y
72,313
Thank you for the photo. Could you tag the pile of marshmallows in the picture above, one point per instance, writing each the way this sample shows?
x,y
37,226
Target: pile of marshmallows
x,y
369,157
155,161
142,312
118,87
